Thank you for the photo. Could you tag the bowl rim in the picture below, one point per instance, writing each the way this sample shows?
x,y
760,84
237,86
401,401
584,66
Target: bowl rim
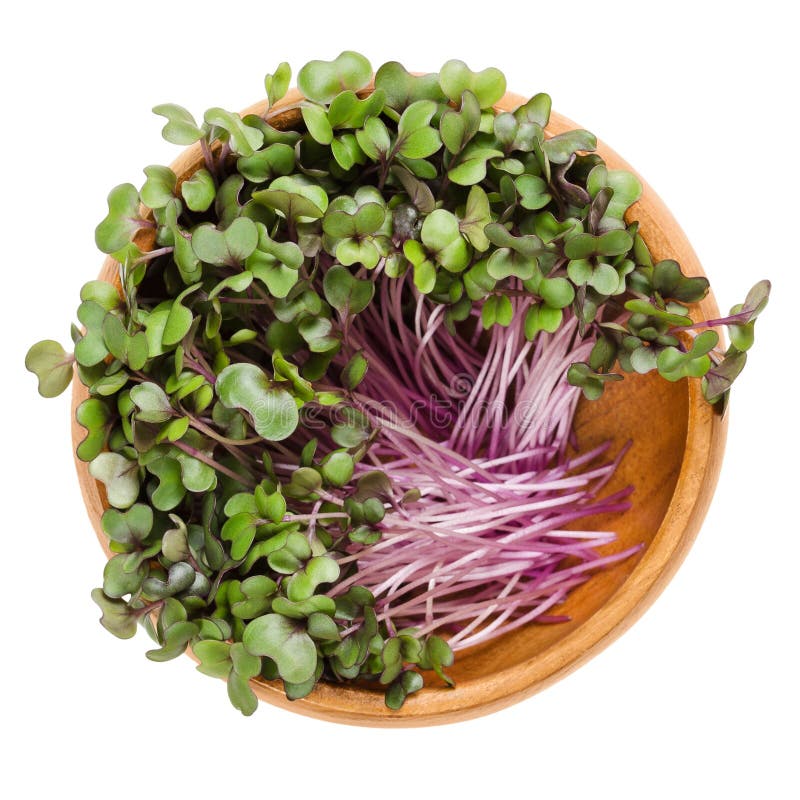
x,y
697,479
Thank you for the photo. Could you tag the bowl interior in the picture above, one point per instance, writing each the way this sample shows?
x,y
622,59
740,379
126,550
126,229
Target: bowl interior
x,y
627,411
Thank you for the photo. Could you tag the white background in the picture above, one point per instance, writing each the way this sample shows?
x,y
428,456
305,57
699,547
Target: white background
x,y
700,698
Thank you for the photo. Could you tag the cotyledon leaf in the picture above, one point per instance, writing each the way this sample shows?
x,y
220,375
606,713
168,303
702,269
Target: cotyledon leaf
x,y
272,409
286,642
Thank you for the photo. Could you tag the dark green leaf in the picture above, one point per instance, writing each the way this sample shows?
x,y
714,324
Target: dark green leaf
x,y
272,409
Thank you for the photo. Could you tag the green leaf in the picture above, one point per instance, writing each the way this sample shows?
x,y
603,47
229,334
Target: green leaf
x,y
277,84
419,195
369,217
441,235
644,307
117,617
674,364
90,349
604,279
392,660
241,695
346,151
185,259
643,359
424,268
272,409
214,657
346,293
516,133
458,127
175,542
275,264
274,161
240,530
352,251
303,584
123,220
670,282
401,88
415,139
719,379
497,309
196,475
556,292
227,204
115,336
177,324
353,221
757,299
471,166
250,599
129,527
120,477
354,371
437,653
295,198
181,127
338,224
241,502
199,190
180,577
52,365
229,247
274,507
284,641
337,468
170,490
477,215
542,318
318,333
94,415
477,281
505,311
152,402
614,243
505,263
560,148
159,188
347,111
241,138
321,81
316,120
237,283
533,192
103,293
407,683
117,582
374,139
352,430
488,86
625,191
536,111
322,628
742,336
592,383
581,246
287,371
604,354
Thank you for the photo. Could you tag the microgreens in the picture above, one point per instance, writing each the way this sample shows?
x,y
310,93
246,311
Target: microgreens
x,y
331,403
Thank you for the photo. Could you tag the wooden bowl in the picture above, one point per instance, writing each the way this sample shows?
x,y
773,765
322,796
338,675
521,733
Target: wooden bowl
x,y
678,442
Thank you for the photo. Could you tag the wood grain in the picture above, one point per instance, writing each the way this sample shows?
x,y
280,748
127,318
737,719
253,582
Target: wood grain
x,y
674,465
